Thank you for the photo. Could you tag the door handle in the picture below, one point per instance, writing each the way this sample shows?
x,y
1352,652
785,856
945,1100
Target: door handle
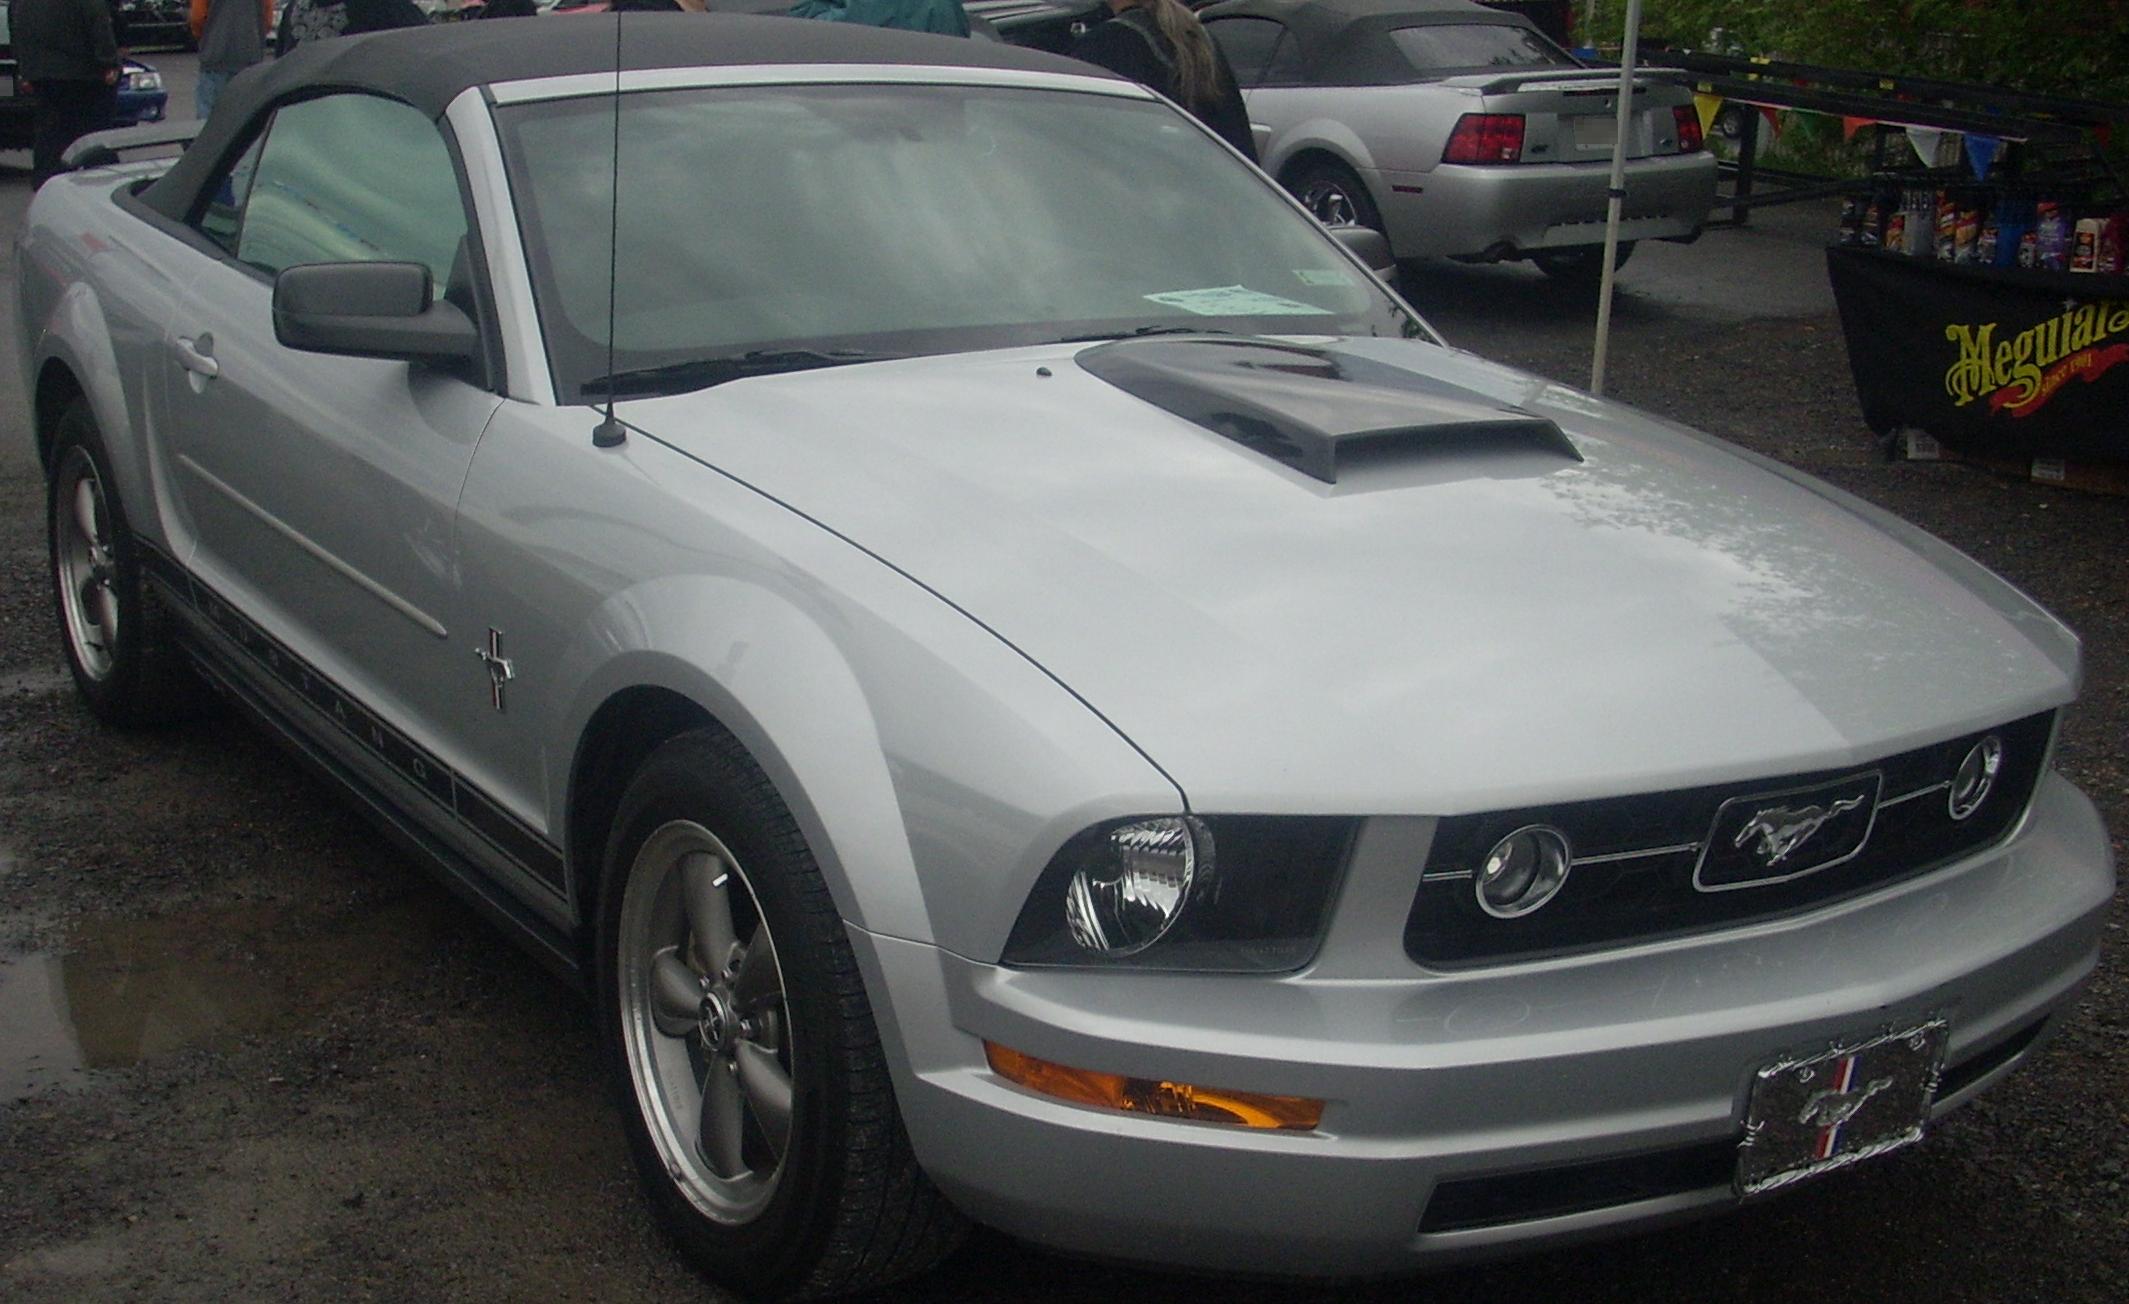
x,y
197,356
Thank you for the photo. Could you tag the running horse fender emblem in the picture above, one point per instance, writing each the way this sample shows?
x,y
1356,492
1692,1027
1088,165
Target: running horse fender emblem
x,y
1781,830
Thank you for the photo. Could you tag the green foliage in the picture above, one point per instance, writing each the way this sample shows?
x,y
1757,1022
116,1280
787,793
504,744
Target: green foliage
x,y
2044,46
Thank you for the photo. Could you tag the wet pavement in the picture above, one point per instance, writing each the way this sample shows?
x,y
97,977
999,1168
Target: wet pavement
x,y
249,1051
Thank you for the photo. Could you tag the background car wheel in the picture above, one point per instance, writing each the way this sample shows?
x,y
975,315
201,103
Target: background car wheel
x,y
757,1100
1581,265
118,640
1334,194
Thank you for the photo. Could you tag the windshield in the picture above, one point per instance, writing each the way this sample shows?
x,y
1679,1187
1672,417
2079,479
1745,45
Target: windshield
x,y
825,224
1443,49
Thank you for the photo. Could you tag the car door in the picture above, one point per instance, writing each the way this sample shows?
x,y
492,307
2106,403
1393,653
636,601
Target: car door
x,y
318,492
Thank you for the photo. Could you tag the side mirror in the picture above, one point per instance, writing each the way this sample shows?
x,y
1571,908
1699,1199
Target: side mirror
x,y
371,310
1370,246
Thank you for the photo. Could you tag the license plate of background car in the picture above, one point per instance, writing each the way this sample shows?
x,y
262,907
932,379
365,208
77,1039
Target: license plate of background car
x,y
1595,129
1808,1116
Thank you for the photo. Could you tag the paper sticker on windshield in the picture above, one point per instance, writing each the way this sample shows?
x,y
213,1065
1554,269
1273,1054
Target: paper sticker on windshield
x,y
1236,301
1323,276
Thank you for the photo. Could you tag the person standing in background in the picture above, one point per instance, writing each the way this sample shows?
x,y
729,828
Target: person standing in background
x,y
232,37
944,17
66,58
1162,46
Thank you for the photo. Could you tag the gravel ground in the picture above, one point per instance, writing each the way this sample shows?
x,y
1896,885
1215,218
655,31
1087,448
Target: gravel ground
x,y
295,1068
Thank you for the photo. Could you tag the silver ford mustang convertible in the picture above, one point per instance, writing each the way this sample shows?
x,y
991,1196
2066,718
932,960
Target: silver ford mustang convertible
x,y
1026,685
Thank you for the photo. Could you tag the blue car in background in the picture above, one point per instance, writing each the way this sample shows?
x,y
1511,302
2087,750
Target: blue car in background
x,y
141,97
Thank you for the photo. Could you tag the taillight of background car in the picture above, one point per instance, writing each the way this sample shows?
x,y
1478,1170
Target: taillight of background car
x,y
1486,138
1688,119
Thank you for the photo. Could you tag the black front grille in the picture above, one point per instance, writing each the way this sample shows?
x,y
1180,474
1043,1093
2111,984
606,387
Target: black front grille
x,y
1615,894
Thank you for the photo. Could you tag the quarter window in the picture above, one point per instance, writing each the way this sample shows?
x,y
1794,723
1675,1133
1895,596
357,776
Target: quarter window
x,y
1251,46
344,178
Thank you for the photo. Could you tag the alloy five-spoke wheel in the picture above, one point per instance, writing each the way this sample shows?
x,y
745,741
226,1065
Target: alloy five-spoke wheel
x,y
121,645
704,1021
86,566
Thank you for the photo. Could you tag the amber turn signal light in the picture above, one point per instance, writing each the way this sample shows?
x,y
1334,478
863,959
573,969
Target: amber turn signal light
x,y
1148,1096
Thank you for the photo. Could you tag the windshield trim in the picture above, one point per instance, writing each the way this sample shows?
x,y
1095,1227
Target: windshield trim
x,y
578,85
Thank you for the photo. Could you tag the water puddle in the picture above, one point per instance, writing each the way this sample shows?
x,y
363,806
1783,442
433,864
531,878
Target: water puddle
x,y
112,992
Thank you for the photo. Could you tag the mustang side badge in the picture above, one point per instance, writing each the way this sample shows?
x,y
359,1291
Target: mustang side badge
x,y
500,671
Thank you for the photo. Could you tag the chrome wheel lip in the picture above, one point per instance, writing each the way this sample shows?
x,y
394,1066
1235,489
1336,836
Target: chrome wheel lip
x,y
671,1074
84,566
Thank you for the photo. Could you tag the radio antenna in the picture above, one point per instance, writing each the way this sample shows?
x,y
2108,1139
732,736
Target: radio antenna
x,y
610,433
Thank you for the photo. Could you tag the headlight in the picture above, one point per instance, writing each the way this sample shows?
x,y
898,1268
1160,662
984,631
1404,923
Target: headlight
x,y
144,81
1219,894
1523,871
1129,893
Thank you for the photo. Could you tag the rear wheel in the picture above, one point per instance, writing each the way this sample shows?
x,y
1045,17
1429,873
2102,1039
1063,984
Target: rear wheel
x,y
758,1102
1332,192
119,643
1580,265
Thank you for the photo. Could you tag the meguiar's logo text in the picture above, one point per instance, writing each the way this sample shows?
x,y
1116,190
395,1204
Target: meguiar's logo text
x,y
2020,374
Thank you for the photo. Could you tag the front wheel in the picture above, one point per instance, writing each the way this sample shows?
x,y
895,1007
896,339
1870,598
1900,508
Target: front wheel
x,y
118,642
757,1100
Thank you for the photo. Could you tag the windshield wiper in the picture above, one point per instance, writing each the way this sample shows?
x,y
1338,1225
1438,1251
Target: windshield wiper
x,y
1135,332
701,373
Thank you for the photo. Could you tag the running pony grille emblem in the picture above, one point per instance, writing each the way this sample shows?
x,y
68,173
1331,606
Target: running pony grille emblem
x,y
1782,829
1772,837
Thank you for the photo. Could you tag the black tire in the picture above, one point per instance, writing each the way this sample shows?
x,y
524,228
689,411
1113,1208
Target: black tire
x,y
842,1207
1582,265
1334,194
119,642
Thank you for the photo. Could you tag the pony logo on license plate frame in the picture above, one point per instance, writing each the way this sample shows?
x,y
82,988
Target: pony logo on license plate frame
x,y
1828,1110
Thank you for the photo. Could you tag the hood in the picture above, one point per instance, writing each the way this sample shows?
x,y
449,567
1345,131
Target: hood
x,y
1459,627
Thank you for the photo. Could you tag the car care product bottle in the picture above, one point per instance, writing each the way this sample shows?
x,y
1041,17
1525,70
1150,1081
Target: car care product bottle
x,y
1966,231
1921,223
1853,211
2084,245
1990,236
2051,235
2111,238
1947,226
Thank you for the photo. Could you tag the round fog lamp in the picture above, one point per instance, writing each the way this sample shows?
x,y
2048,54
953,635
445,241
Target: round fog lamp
x,y
1523,871
1135,883
1976,778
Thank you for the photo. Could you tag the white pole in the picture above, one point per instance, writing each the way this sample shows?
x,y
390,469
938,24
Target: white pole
x,y
1617,201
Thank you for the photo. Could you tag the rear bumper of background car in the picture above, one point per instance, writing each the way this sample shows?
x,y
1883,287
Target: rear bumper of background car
x,y
1468,212
1468,1113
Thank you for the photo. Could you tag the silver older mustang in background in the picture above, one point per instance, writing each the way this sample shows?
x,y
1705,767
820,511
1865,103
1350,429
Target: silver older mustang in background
x,y
1460,130
1023,681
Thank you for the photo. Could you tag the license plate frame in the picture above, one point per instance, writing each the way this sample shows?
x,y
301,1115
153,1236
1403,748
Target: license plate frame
x,y
1815,1113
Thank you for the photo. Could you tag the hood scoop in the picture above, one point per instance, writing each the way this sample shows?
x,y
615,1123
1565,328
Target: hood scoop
x,y
1315,409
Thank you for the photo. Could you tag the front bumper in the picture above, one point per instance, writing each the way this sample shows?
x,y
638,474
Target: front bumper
x,y
1448,1081
1461,211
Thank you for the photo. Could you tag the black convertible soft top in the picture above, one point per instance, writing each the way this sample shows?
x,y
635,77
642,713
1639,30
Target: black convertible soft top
x,y
1347,43
428,67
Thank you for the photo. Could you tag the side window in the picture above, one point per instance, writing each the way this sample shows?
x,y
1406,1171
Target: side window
x,y
352,178
1248,43
225,205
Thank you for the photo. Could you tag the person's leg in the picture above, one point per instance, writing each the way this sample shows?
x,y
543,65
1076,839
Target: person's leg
x,y
206,90
67,111
53,127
